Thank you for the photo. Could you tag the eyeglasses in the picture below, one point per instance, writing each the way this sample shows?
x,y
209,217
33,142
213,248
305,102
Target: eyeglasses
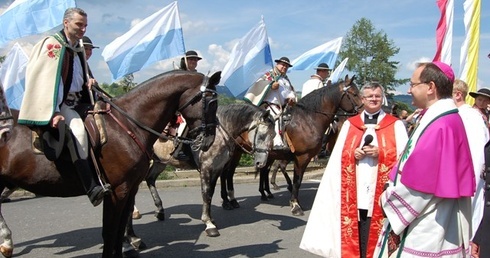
x,y
373,97
413,84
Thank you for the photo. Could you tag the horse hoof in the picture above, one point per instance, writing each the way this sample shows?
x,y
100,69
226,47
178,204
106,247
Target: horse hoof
x,y
276,187
212,232
6,251
136,243
227,206
270,196
136,215
160,215
235,204
143,246
297,211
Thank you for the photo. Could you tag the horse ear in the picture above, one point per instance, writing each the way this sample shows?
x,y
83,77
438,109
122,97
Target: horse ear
x,y
329,83
215,78
346,78
353,77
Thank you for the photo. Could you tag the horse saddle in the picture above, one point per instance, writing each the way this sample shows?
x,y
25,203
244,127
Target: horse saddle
x,y
95,125
49,142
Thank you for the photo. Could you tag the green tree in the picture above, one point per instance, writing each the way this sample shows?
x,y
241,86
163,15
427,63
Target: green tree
x,y
2,58
370,54
113,89
127,82
225,100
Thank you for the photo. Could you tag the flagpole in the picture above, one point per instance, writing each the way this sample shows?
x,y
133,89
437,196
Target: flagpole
x,y
87,76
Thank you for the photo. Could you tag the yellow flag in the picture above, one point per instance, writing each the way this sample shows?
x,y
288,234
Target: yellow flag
x,y
471,46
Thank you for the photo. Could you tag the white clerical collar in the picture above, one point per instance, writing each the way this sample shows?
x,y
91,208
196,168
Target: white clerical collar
x,y
371,115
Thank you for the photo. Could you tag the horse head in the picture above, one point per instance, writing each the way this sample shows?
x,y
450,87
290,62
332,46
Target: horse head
x,y
6,119
261,134
201,120
350,101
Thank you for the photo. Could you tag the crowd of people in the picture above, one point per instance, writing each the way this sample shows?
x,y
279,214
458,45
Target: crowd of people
x,y
405,185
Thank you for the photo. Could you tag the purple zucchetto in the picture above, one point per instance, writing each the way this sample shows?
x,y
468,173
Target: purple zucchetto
x,y
446,69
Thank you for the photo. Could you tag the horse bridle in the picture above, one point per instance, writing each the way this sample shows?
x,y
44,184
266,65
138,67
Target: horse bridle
x,y
345,93
207,97
196,143
248,148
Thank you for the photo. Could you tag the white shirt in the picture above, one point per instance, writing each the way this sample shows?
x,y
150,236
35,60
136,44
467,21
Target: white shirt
x,y
279,96
315,82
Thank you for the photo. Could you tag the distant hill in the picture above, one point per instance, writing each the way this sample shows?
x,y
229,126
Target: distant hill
x,y
405,98
223,90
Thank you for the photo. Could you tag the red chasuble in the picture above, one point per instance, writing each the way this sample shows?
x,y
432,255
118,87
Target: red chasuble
x,y
385,133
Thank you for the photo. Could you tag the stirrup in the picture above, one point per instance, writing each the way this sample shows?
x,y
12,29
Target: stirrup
x,y
96,195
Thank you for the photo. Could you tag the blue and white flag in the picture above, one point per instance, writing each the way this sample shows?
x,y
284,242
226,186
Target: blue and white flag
x,y
29,17
155,38
250,58
326,53
335,76
13,76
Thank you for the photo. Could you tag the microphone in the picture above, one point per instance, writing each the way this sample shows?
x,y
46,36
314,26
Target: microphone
x,y
368,140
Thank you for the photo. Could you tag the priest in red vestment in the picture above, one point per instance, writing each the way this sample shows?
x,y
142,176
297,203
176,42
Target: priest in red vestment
x,y
345,219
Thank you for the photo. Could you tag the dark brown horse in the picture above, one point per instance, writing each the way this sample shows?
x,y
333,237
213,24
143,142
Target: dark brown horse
x,y
6,119
125,157
309,119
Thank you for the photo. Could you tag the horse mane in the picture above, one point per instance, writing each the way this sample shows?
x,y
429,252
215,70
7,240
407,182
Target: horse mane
x,y
314,99
236,117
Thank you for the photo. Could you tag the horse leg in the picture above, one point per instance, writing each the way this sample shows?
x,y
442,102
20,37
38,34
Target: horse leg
x,y
131,238
208,184
231,189
264,181
130,247
136,213
230,171
283,167
297,179
155,170
116,214
7,247
274,169
224,191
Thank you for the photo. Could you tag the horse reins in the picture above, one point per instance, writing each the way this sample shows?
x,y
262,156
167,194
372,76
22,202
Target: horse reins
x,y
202,94
252,147
346,113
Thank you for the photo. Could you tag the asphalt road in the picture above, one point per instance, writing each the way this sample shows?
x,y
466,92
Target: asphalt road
x,y
71,227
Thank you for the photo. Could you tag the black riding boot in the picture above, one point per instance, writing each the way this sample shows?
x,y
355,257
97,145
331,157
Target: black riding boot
x,y
94,190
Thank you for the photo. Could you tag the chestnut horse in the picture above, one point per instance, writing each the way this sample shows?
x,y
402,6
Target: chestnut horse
x,y
132,123
6,119
241,128
309,119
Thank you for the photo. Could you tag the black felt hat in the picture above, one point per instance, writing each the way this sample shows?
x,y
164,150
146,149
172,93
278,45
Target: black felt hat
x,y
192,53
88,42
284,60
481,92
323,66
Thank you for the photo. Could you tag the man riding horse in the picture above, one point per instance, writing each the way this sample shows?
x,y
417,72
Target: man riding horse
x,y
56,85
274,92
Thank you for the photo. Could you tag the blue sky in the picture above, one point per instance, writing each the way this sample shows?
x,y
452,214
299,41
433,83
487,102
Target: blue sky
x,y
212,27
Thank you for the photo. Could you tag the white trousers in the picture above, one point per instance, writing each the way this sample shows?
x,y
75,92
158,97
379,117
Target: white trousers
x,y
75,123
276,113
